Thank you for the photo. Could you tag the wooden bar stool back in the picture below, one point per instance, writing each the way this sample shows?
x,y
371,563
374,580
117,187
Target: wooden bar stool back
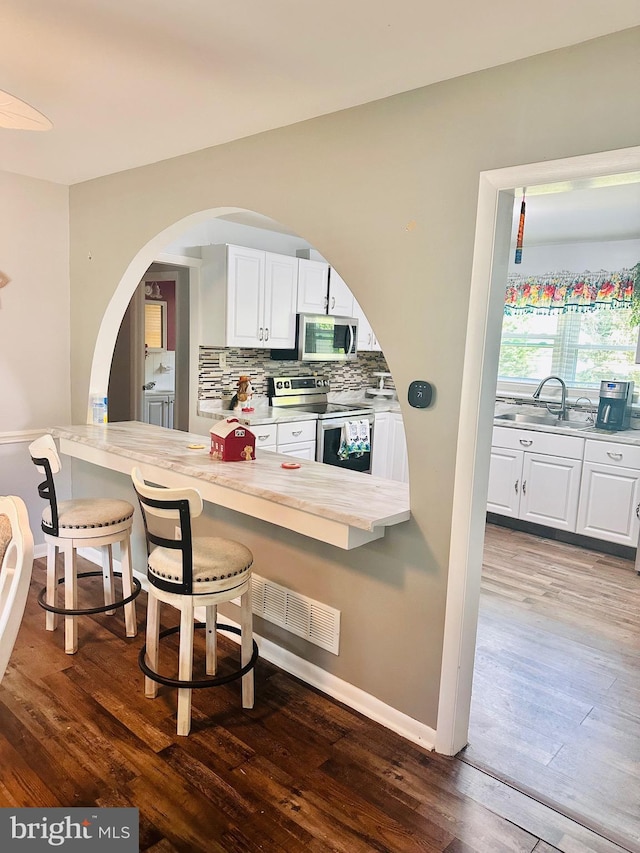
x,y
82,523
185,572
15,575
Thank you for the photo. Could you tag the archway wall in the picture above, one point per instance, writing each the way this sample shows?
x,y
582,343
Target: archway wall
x,y
388,193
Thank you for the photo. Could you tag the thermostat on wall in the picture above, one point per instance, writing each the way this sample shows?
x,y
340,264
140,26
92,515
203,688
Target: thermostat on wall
x,y
420,394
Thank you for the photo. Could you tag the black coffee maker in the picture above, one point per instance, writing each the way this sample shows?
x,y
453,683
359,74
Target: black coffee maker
x,y
614,408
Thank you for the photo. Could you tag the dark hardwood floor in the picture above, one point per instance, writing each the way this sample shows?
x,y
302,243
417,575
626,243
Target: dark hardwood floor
x,y
556,698
299,772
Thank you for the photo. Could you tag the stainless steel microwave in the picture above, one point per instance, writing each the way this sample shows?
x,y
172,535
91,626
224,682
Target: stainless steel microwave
x,y
323,337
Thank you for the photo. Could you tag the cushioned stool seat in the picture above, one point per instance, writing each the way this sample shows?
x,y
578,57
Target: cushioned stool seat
x,y
218,564
82,523
185,572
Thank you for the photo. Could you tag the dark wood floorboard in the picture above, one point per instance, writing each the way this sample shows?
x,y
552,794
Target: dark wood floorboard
x,y
556,696
299,772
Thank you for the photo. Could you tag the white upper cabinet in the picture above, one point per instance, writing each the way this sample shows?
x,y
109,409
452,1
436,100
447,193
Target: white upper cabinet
x,y
313,286
367,341
280,296
248,298
322,291
340,301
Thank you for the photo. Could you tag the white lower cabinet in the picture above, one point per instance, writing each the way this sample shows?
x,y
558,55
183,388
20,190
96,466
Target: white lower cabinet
x,y
390,459
294,438
297,438
158,409
505,481
610,493
266,436
542,487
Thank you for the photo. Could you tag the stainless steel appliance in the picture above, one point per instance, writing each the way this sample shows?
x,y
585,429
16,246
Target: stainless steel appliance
x,y
322,337
309,394
614,408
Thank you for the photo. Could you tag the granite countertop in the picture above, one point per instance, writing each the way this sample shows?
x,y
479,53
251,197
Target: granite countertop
x,y
627,436
347,497
263,413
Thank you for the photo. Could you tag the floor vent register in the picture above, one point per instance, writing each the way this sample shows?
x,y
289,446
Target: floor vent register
x,y
313,621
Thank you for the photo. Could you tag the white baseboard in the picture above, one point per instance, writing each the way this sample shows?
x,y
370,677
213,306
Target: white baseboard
x,y
366,704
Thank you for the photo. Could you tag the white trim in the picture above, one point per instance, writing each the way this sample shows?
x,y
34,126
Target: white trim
x,y
478,396
177,260
333,686
21,436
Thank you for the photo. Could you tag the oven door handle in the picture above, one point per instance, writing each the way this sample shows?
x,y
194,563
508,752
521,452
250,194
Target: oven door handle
x,y
335,423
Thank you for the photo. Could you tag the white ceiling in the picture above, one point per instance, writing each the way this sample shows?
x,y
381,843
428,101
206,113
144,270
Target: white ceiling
x,y
587,212
129,82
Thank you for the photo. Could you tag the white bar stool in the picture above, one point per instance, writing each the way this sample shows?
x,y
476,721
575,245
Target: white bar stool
x,y
82,523
185,572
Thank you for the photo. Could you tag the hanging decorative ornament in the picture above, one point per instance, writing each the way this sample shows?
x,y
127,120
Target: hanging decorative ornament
x,y
523,208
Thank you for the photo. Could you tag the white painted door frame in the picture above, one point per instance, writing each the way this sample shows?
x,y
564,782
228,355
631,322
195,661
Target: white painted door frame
x,y
488,276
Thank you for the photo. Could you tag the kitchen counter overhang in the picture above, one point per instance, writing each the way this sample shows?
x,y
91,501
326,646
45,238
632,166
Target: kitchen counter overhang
x,y
343,508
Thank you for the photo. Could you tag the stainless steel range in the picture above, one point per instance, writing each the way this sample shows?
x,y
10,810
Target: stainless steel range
x,y
309,394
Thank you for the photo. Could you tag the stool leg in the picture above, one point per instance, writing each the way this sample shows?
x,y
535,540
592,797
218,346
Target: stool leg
x,y
51,619
107,576
246,625
152,641
185,665
212,639
70,599
131,626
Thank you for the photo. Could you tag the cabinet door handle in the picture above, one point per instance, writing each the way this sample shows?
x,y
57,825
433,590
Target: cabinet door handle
x,y
525,442
296,432
333,302
638,511
613,455
266,334
515,486
524,487
261,334
263,437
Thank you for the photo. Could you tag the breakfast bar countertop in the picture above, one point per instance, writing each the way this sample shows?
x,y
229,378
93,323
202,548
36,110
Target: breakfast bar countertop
x,y
342,507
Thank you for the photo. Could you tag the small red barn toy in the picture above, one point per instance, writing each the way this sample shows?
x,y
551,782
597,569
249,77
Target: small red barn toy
x,y
231,441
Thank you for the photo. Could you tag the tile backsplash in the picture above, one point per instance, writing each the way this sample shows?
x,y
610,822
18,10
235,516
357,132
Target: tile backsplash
x,y
215,382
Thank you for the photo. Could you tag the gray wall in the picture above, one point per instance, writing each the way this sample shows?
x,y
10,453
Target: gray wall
x,y
387,193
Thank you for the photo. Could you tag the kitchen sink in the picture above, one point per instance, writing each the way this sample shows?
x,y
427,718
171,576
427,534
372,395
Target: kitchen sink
x,y
541,420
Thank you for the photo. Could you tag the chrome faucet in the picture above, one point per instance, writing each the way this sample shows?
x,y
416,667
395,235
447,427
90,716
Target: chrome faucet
x,y
562,413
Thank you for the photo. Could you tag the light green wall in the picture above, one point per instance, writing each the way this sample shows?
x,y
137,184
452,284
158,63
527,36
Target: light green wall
x,y
387,192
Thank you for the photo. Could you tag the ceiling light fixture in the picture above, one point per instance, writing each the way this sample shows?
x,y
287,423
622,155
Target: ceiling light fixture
x,y
17,115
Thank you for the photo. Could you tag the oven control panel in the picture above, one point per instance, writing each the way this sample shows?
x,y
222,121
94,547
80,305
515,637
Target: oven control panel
x,y
279,386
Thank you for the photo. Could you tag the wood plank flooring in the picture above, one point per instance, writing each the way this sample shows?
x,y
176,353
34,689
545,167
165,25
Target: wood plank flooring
x,y
556,698
299,772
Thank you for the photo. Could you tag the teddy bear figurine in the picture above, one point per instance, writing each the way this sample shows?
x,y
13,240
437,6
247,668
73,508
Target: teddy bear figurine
x,y
241,400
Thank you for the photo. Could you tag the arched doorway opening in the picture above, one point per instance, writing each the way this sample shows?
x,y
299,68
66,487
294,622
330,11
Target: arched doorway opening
x,y
204,371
